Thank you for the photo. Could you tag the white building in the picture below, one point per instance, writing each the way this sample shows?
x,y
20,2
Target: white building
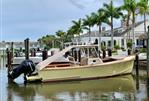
x,y
120,36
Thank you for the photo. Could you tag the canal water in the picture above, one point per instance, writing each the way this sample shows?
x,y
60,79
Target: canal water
x,y
121,88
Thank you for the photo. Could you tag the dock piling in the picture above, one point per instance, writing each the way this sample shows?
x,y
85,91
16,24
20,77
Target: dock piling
x,y
44,54
109,52
26,44
9,60
75,55
129,51
79,55
137,64
148,58
104,53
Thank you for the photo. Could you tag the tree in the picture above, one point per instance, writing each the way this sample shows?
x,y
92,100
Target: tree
x,y
77,27
48,40
61,35
98,19
88,23
111,12
144,10
127,7
133,9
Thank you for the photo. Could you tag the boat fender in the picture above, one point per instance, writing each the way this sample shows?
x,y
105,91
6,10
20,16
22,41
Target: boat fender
x,y
27,67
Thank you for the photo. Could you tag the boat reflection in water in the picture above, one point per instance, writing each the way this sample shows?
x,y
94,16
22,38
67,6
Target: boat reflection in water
x,y
116,88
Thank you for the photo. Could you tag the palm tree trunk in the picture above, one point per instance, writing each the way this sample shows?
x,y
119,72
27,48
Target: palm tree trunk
x,y
112,43
99,40
144,23
133,32
79,41
89,34
128,33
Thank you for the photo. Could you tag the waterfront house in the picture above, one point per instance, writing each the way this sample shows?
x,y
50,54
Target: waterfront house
x,y
121,35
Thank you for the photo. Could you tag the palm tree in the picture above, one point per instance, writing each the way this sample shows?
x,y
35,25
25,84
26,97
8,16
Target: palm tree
x,y
61,34
88,23
48,40
98,19
143,10
70,34
111,12
77,27
127,7
133,9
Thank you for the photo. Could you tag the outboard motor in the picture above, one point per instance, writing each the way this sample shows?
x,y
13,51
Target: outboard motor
x,y
27,67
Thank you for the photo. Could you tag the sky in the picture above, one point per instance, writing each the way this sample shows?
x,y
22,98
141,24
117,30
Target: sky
x,y
21,19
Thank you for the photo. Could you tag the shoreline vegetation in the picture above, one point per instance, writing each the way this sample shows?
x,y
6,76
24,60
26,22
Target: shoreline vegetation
x,y
126,12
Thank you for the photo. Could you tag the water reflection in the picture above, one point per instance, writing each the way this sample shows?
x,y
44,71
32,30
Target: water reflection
x,y
2,62
116,88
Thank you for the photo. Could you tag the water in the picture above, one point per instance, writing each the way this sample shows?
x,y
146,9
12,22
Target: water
x,y
121,88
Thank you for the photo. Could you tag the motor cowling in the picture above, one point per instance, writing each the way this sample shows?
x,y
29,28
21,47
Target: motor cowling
x,y
27,67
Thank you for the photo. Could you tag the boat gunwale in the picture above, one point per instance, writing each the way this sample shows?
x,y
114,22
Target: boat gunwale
x,y
92,65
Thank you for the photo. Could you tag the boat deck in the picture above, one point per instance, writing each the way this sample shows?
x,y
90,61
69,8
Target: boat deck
x,y
69,64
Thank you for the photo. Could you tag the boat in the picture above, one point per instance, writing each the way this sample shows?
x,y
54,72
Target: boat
x,y
92,68
86,67
102,87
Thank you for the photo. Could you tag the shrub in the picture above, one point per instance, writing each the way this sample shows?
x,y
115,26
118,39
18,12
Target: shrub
x,y
129,44
117,47
103,47
143,50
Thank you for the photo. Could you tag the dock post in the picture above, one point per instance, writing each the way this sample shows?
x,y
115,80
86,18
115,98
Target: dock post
x,y
11,49
109,52
148,58
9,64
26,44
137,64
104,53
75,55
44,54
9,60
79,55
129,51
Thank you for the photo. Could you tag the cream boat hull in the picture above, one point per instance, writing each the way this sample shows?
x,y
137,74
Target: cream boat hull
x,y
119,67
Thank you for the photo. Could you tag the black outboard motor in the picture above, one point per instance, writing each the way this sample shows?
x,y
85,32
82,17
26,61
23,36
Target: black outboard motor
x,y
27,67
